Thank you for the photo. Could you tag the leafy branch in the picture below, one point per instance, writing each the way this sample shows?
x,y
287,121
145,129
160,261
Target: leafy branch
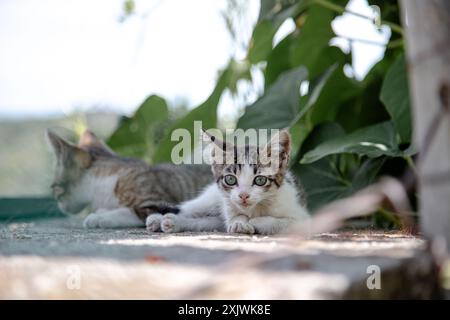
x,y
341,10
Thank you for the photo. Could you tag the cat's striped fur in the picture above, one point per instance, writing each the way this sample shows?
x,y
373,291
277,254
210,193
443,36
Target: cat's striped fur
x,y
120,192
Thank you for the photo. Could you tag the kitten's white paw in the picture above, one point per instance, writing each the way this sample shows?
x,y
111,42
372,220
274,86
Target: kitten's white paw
x,y
241,227
117,218
97,220
169,223
153,222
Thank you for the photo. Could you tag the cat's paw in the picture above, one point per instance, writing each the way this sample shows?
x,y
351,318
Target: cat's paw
x,y
169,223
116,218
95,220
241,227
153,222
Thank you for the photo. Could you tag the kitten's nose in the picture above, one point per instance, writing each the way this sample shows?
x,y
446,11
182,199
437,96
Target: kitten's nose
x,y
244,196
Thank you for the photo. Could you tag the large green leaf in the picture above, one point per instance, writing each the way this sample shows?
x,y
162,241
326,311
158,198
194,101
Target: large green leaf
x,y
135,136
395,96
261,41
206,112
272,14
361,106
335,176
316,90
278,61
314,37
301,125
277,11
372,141
337,91
323,182
307,46
279,105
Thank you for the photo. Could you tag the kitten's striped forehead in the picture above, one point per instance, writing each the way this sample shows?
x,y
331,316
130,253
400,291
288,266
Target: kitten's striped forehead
x,y
248,156
246,166
245,155
238,168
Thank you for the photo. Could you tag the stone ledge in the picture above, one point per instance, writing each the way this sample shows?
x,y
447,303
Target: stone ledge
x,y
37,261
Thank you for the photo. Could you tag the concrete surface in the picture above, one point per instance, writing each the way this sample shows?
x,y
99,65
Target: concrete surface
x,y
58,259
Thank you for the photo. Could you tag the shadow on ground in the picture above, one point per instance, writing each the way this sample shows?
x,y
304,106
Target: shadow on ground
x,y
40,259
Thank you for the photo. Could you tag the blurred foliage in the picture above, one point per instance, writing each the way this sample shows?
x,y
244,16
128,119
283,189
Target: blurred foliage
x,y
137,136
345,131
129,9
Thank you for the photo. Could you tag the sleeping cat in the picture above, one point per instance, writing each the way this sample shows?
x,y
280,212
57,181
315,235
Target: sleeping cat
x,y
121,192
249,195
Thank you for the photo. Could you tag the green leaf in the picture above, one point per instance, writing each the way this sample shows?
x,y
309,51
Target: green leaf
x,y
272,14
338,90
301,124
323,182
277,62
335,176
317,89
135,136
395,96
129,7
314,37
276,11
235,72
366,174
372,141
206,112
261,42
278,106
321,133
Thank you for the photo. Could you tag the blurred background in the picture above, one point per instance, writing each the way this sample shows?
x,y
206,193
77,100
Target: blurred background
x,y
73,64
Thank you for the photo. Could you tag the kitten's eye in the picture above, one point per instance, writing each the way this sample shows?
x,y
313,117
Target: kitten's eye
x,y
260,180
230,180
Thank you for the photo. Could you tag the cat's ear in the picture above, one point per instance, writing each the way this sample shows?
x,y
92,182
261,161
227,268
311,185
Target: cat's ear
x,y
89,139
60,146
67,152
278,148
221,152
218,142
82,158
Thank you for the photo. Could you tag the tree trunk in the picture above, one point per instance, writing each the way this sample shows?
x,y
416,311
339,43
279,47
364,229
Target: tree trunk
x,y
427,30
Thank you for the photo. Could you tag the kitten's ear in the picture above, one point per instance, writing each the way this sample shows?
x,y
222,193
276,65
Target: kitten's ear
x,y
82,158
67,152
221,151
59,145
209,137
89,139
279,146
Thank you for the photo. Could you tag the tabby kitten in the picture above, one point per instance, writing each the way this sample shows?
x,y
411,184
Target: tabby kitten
x,y
120,192
249,195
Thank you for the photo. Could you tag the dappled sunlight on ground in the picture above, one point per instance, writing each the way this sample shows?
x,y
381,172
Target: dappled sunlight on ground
x,y
59,259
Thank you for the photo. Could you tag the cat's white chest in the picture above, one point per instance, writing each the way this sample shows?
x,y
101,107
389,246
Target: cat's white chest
x,y
99,191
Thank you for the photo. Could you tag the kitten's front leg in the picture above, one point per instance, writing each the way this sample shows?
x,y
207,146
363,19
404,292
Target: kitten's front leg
x,y
270,225
116,218
199,214
240,224
179,223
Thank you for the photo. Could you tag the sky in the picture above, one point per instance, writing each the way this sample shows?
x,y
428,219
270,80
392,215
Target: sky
x,y
60,56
